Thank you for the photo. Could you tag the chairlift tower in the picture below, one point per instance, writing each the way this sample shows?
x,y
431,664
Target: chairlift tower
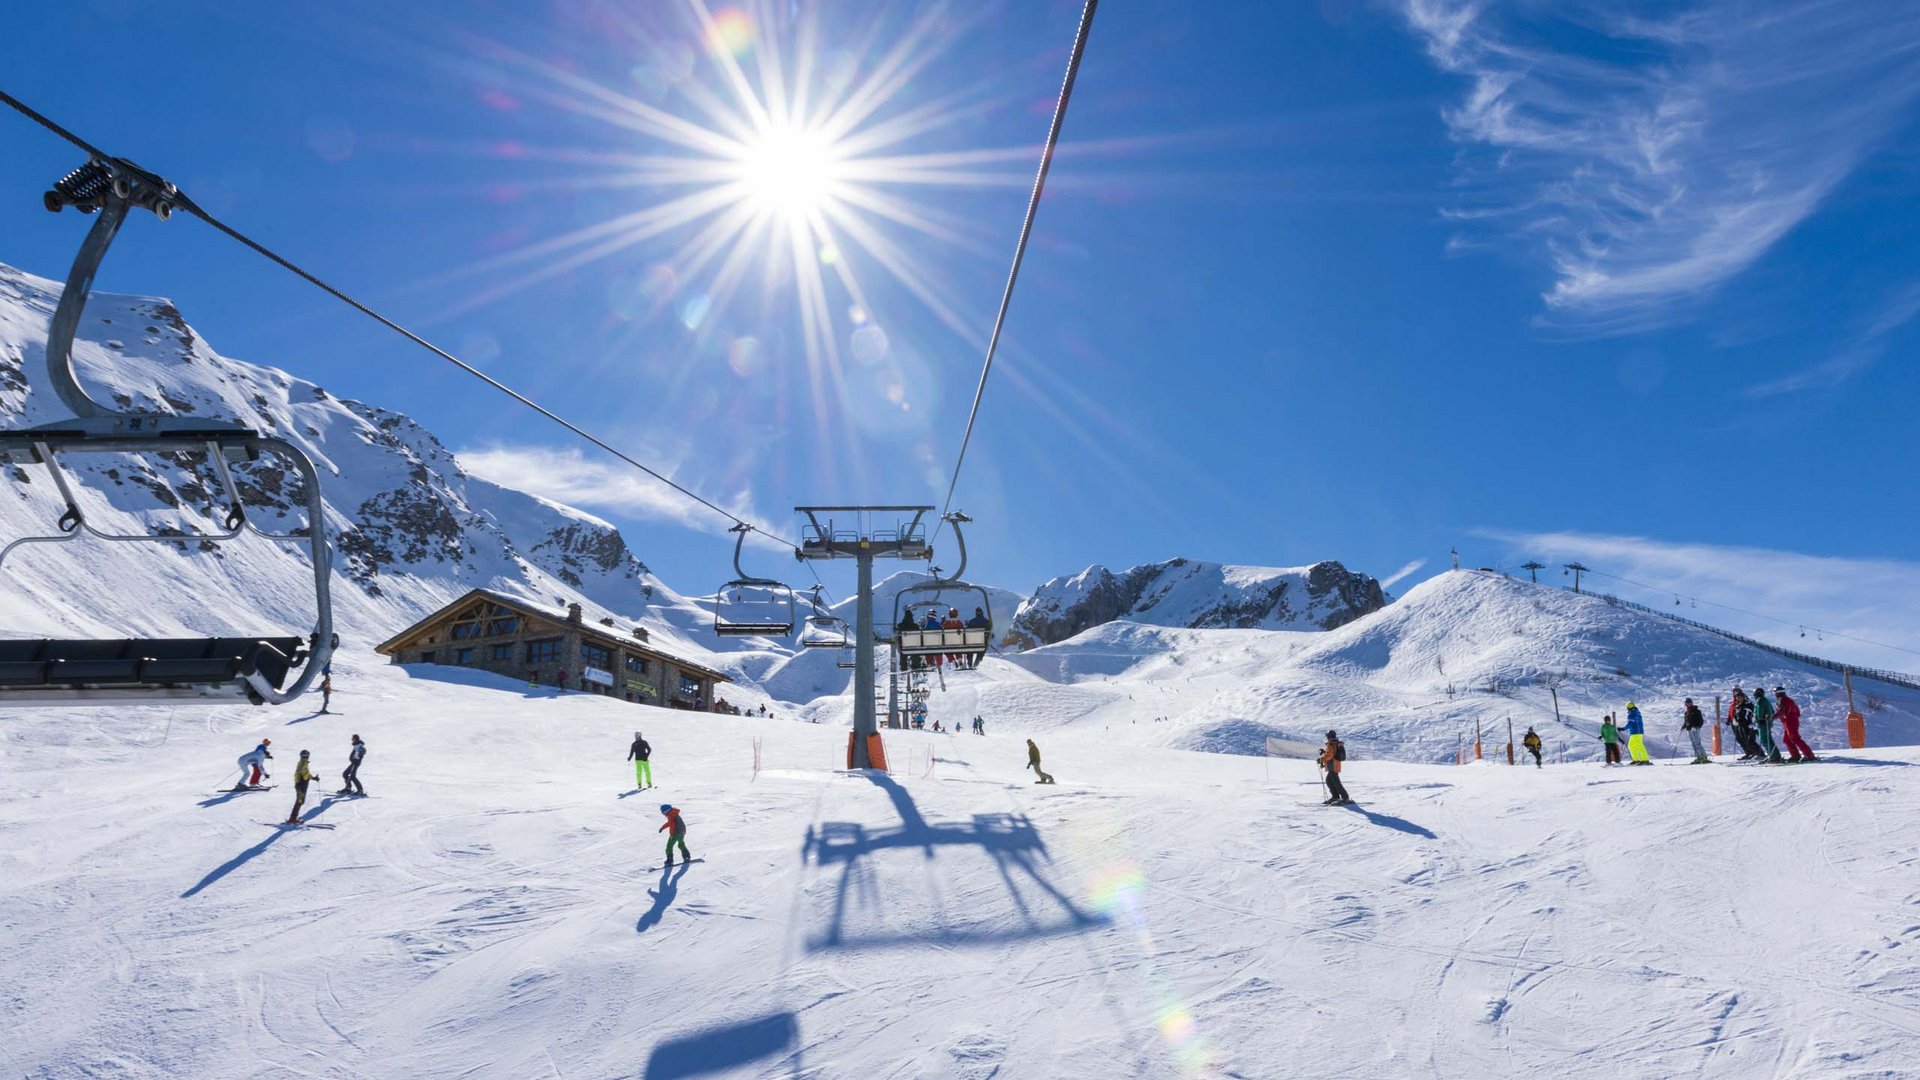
x,y
856,532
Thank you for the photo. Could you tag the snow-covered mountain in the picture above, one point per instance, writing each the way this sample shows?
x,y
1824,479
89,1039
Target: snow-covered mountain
x,y
1407,682
1187,593
412,529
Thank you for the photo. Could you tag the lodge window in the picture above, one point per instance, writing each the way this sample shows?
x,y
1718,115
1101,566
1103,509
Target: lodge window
x,y
463,657
464,630
596,655
426,656
503,653
689,686
503,627
638,665
544,651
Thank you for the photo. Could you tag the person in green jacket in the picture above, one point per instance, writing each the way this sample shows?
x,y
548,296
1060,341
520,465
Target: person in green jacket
x,y
1763,724
1610,734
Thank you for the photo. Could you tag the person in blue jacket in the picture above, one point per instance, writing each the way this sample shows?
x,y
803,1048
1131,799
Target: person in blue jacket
x,y
1637,736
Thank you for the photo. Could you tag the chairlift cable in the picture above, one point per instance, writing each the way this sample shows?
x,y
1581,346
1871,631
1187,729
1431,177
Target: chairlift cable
x,y
187,203
1020,248
1758,615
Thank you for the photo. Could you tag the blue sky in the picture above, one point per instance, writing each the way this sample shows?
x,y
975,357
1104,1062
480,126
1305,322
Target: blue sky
x,y
1630,283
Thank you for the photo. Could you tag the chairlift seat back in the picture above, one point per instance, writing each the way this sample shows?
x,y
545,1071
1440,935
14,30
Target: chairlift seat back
x,y
69,671
964,641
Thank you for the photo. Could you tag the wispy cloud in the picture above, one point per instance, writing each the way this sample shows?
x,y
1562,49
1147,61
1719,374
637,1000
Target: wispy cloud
x,y
1865,349
1402,574
1648,160
565,475
1767,594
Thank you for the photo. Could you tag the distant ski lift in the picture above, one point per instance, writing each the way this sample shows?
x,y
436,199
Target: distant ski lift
x,y
750,606
823,629
932,602
256,669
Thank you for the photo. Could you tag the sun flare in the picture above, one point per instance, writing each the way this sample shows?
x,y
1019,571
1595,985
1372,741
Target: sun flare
x,y
790,170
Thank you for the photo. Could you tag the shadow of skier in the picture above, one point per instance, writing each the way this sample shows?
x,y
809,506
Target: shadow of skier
x,y
663,898
246,856
1396,823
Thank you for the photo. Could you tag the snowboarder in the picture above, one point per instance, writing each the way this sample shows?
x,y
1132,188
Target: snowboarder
x,y
350,779
640,753
1637,736
1691,722
1033,762
1740,717
1532,742
1763,724
326,692
1331,757
1789,713
254,761
302,776
676,830
1610,735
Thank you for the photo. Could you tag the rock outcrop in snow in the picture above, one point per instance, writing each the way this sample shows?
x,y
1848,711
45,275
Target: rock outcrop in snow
x,y
1186,593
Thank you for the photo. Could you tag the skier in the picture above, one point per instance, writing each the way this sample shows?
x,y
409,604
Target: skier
x,y
302,775
907,623
1636,736
1610,734
1789,714
1033,762
953,622
640,754
350,779
326,692
1532,742
932,622
676,831
1763,723
254,761
1740,716
978,622
1331,756
1691,722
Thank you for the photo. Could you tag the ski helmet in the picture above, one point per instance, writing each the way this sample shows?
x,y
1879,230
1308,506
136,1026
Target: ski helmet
x,y
1331,735
664,807
305,753
266,742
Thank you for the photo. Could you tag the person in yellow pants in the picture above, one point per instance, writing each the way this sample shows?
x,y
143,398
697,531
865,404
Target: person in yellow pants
x,y
1637,736
642,771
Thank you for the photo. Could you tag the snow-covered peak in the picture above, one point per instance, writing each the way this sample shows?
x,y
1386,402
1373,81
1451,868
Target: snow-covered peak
x,y
1189,593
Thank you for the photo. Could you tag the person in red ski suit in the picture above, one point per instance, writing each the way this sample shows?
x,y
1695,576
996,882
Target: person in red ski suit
x,y
1787,711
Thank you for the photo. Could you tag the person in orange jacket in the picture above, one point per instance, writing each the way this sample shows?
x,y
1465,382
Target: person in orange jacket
x,y
676,831
1331,757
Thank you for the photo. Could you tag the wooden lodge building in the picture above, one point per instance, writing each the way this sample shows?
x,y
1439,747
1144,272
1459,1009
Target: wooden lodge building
x,y
511,637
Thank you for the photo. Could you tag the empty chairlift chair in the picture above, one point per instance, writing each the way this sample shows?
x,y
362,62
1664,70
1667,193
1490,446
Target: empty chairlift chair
x,y
267,669
823,629
749,606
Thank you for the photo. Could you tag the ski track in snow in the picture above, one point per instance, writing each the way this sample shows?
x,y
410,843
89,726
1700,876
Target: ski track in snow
x,y
497,909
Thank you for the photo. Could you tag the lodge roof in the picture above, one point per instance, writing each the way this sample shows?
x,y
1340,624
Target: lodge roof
x,y
599,635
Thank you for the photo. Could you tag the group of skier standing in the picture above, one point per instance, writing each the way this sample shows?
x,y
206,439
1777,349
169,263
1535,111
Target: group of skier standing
x,y
253,769
1750,718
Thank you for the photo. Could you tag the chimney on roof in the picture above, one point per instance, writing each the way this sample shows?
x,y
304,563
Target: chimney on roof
x,y
640,632
573,614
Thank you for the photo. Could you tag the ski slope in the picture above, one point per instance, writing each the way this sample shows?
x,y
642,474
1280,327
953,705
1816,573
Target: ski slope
x,y
498,909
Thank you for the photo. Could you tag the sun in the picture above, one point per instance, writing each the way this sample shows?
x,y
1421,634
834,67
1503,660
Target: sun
x,y
790,170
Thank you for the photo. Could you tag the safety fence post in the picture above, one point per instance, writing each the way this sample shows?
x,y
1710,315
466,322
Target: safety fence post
x,y
1476,740
1856,721
1509,740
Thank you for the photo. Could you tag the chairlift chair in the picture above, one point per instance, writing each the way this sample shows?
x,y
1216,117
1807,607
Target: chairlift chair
x,y
749,606
944,593
823,629
261,670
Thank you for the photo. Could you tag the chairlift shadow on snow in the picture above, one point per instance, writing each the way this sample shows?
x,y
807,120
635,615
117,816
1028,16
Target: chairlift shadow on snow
x,y
725,1048
1010,839
1829,759
246,856
1398,824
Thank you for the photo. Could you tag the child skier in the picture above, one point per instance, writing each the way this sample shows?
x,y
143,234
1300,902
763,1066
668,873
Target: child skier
x,y
1610,734
1637,736
301,777
639,753
1331,757
254,762
676,831
1532,742
1691,722
350,779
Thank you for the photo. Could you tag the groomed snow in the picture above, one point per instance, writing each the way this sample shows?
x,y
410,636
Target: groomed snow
x,y
497,909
